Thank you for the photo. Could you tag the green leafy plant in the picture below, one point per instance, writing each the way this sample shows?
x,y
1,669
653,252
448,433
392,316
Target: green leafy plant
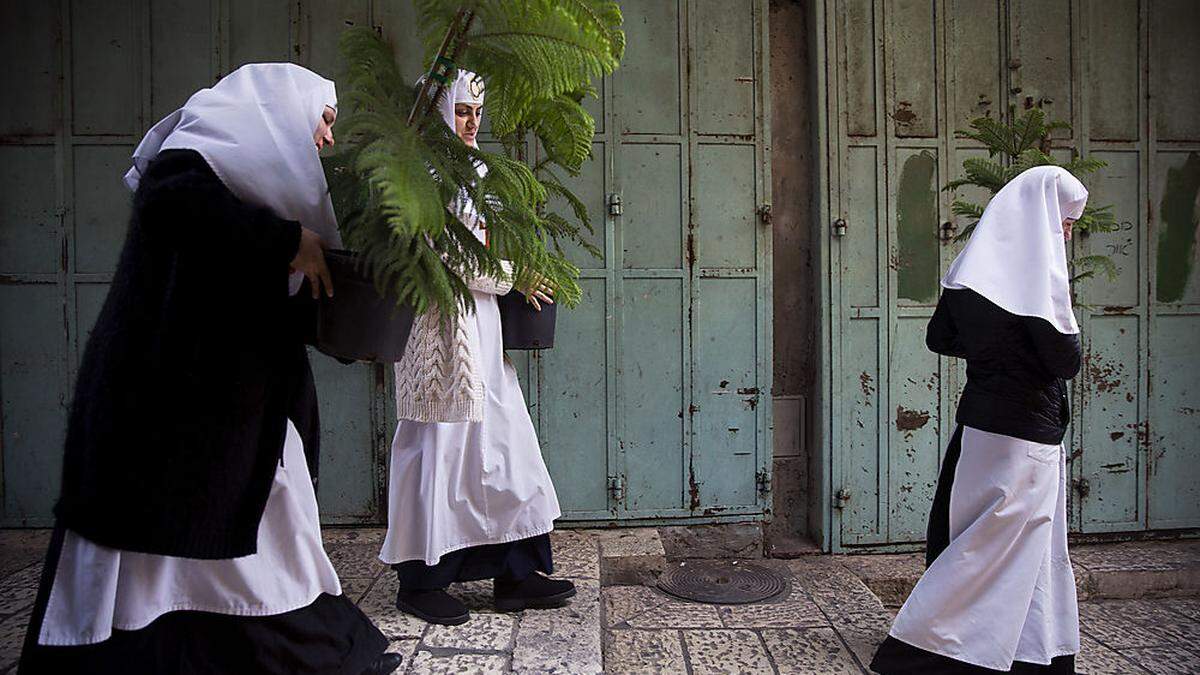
x,y
402,166
1013,148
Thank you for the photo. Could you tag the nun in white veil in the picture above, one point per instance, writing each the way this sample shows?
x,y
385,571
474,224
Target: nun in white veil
x,y
469,495
187,536
999,591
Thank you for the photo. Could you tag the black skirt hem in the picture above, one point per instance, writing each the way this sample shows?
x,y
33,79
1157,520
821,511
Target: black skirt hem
x,y
513,560
329,636
895,657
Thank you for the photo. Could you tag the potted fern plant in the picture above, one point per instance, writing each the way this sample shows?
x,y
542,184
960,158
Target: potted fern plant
x,y
1013,148
391,183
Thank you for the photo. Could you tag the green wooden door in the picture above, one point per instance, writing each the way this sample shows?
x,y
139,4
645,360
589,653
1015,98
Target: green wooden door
x,y
901,77
649,405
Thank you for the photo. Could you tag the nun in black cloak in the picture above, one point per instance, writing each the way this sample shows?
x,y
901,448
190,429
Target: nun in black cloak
x,y
187,537
999,591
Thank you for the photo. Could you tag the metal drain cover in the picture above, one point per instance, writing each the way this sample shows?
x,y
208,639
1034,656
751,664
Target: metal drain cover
x,y
721,582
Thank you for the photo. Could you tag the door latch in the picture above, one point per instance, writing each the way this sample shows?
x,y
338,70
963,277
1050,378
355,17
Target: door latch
x,y
840,499
839,227
616,488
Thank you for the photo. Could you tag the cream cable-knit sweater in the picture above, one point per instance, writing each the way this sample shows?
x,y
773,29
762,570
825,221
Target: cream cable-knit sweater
x,y
437,379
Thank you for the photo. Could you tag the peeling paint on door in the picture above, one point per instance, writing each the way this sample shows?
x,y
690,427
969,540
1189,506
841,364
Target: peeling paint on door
x,y
916,225
1177,238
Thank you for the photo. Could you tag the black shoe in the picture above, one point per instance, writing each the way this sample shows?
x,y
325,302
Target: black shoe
x,y
384,665
534,591
433,606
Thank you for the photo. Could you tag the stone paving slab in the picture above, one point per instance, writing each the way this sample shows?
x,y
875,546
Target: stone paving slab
x,y
644,651
630,555
428,663
1096,659
726,651
1166,659
564,640
809,650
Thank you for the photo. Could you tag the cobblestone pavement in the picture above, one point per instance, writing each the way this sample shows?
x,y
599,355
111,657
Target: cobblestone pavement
x,y
827,621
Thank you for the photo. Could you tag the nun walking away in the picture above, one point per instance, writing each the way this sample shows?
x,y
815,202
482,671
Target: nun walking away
x,y
469,495
187,538
998,594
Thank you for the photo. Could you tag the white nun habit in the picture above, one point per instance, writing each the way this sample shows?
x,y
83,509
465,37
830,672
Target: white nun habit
x,y
255,129
456,485
1003,590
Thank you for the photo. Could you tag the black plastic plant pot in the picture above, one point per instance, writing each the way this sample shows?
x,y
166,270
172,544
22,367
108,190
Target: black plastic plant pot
x,y
523,326
358,323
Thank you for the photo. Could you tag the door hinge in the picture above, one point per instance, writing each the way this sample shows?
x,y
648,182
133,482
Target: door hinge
x,y
762,479
615,207
764,213
839,227
840,499
616,488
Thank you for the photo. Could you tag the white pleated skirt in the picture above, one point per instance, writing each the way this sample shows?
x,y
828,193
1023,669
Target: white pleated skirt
x,y
1003,590
97,589
456,485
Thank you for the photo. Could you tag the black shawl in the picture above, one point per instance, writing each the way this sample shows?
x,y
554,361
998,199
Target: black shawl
x,y
194,365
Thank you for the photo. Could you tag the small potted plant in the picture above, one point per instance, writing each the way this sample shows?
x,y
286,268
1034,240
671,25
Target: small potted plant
x,y
392,182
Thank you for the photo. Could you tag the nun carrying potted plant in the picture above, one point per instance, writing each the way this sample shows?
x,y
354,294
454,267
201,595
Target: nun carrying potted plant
x,y
469,494
187,536
999,593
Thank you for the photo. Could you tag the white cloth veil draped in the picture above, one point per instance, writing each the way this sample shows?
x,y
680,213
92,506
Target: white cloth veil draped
x,y
1016,256
255,128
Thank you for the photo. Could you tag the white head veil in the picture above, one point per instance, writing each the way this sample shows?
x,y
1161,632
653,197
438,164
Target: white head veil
x,y
255,128
1016,256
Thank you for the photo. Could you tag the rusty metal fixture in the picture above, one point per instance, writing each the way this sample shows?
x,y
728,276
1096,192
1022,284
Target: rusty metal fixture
x,y
721,582
839,227
948,230
443,64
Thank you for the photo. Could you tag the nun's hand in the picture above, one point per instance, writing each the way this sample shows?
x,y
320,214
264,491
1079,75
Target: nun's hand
x,y
310,259
538,292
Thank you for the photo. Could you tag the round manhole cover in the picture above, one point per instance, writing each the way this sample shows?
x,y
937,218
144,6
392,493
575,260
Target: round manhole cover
x,y
721,582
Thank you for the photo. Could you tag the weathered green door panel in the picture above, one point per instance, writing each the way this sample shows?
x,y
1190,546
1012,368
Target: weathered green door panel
x,y
916,442
591,187
1040,34
356,431
1177,274
915,260
861,496
651,64
30,31
726,392
102,205
973,58
106,55
652,226
913,71
857,58
181,43
29,222
652,386
572,416
724,203
1174,422
260,30
725,68
1114,107
33,341
1174,87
